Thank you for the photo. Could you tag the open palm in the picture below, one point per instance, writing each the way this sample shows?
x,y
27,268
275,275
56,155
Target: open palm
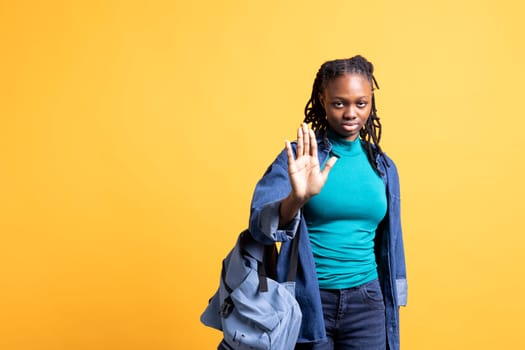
x,y
306,177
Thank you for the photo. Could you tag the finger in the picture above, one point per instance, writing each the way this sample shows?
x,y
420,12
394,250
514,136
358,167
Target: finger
x,y
300,146
289,153
289,150
328,166
306,139
313,144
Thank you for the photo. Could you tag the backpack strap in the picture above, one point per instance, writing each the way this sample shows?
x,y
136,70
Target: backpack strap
x,y
269,263
267,267
294,257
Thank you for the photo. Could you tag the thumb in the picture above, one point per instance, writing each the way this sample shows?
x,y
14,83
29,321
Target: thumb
x,y
328,166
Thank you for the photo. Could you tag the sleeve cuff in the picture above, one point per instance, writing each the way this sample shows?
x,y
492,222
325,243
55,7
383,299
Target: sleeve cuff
x,y
402,291
269,223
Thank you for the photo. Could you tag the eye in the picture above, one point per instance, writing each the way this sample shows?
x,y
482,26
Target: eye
x,y
361,104
338,104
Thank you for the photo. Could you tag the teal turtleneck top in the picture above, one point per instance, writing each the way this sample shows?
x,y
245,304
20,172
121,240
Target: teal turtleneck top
x,y
342,219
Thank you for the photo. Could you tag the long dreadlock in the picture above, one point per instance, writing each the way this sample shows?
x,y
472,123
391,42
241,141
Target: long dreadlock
x,y
314,111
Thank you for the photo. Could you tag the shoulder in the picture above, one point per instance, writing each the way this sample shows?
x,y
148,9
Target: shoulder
x,y
389,162
382,159
391,174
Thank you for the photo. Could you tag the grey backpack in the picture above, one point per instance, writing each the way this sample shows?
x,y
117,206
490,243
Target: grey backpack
x,y
252,309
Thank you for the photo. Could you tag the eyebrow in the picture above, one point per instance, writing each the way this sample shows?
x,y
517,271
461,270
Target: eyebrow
x,y
344,98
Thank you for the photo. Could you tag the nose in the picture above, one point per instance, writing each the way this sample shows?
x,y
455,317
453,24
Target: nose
x,y
351,113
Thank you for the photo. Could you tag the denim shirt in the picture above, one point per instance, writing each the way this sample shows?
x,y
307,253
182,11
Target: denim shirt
x,y
273,187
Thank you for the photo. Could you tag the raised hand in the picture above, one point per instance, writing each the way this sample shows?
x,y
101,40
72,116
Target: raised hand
x,y
306,177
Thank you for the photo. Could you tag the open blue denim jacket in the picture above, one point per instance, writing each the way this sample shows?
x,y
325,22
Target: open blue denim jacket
x,y
264,226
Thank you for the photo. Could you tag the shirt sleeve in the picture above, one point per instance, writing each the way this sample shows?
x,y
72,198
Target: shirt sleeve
x,y
401,284
271,189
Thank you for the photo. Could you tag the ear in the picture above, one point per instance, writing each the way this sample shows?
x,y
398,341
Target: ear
x,y
321,99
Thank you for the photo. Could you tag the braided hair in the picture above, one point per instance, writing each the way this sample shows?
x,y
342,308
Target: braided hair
x,y
314,111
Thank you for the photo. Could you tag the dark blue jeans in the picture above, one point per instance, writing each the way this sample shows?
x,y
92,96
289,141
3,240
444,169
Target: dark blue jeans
x,y
354,319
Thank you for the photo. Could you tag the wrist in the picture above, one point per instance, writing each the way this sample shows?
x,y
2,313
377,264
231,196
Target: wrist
x,y
296,201
289,207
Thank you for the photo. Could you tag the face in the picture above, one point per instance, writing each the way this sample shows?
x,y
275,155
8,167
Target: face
x,y
347,101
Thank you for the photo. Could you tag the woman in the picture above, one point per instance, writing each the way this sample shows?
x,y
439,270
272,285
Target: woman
x,y
340,192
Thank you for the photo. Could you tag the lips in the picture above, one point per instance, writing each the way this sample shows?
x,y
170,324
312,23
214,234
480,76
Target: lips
x,y
350,125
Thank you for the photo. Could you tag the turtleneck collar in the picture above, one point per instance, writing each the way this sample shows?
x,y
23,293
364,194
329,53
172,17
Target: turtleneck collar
x,y
342,147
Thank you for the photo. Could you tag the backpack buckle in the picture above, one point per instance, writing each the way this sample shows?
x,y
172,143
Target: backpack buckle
x,y
226,307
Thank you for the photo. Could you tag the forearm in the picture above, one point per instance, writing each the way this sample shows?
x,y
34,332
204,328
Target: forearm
x,y
288,209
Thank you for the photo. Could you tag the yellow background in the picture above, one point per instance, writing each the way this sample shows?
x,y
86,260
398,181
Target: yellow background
x,y
132,135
